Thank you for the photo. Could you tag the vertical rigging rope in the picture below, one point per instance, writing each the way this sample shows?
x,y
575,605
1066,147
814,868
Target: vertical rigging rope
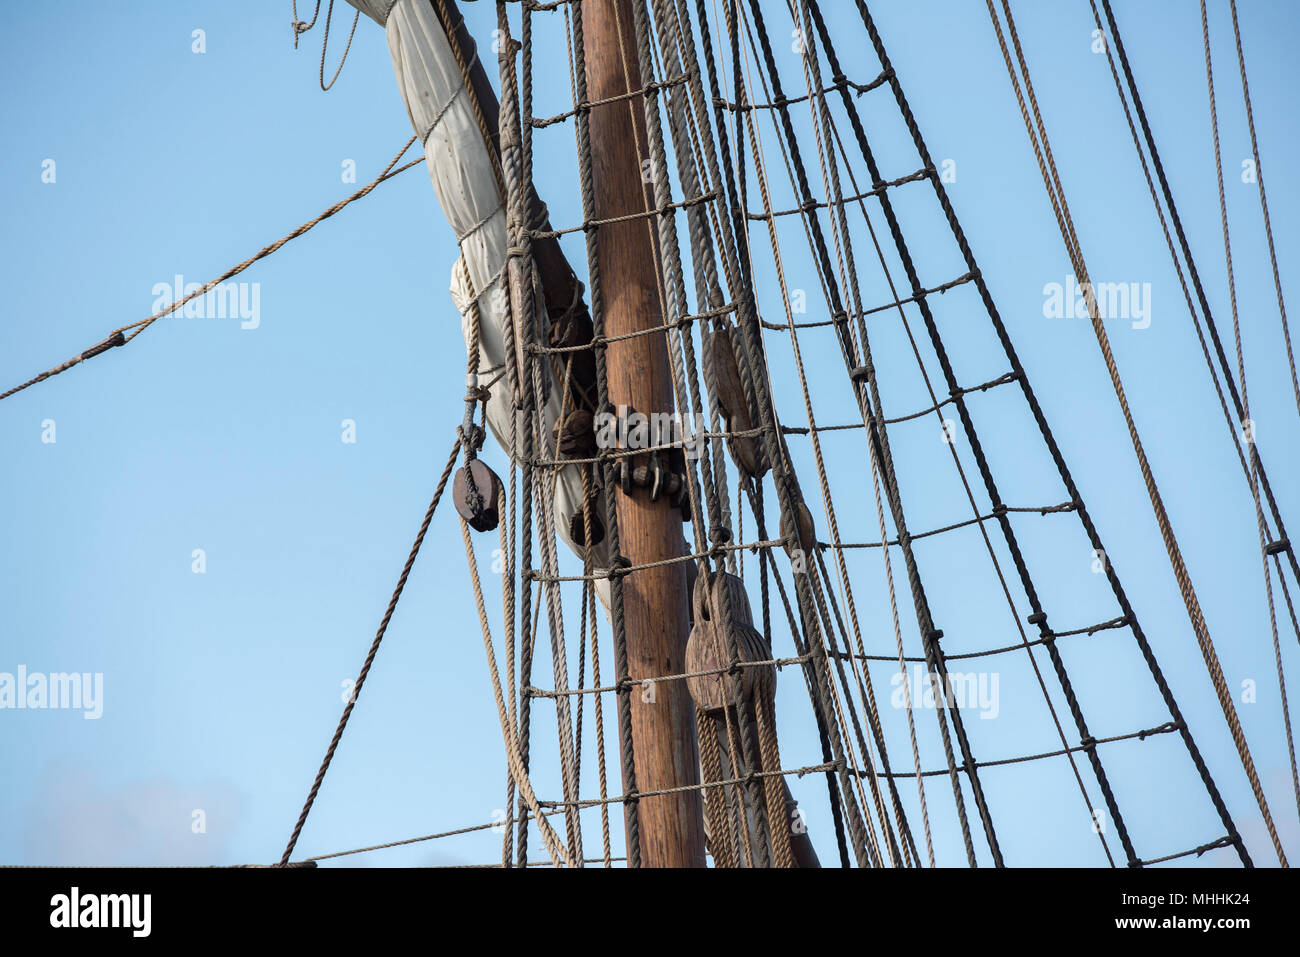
x,y
867,402
736,196
786,487
597,294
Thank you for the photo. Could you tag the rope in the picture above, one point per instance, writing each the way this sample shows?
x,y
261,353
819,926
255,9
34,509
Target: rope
x,y
821,686
1255,465
1263,203
411,840
865,687
450,29
1045,431
1051,181
869,399
600,719
117,337
778,815
578,75
1233,425
673,301
1245,400
513,755
545,490
370,656
298,26
329,13
843,249
957,396
721,844
736,188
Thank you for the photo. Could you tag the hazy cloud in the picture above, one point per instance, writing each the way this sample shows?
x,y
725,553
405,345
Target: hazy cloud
x,y
74,820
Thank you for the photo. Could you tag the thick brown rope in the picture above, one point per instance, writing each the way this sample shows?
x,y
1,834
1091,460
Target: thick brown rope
x,y
493,150
778,815
514,759
715,799
589,598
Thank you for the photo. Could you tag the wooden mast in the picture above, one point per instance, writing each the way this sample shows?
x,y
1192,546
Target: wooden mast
x,y
655,600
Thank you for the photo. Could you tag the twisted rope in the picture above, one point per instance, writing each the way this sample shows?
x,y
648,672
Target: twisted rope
x,y
370,656
118,338
1245,396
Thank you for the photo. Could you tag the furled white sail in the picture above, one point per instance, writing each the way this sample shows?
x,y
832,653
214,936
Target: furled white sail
x,y
460,167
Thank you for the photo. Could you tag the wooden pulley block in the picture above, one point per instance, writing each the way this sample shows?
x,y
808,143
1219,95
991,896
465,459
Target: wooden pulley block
x,y
807,531
746,450
708,647
578,528
577,437
480,507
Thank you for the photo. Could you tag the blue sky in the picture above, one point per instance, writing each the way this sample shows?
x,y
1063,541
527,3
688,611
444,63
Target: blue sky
x,y
221,689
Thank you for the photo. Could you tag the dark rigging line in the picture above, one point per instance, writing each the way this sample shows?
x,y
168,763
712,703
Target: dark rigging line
x,y
1282,543
370,656
961,470
737,194
1254,470
879,442
1049,439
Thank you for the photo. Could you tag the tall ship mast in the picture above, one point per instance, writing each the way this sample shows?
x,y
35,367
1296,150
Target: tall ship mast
x,y
724,630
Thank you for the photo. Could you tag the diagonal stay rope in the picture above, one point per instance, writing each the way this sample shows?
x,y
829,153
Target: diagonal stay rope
x,y
119,336
370,656
1253,475
1263,202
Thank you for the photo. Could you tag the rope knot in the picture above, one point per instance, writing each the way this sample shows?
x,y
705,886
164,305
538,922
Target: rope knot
x,y
619,566
471,437
1165,728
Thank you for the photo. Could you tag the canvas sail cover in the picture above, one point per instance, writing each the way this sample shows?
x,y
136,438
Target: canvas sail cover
x,y
461,168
